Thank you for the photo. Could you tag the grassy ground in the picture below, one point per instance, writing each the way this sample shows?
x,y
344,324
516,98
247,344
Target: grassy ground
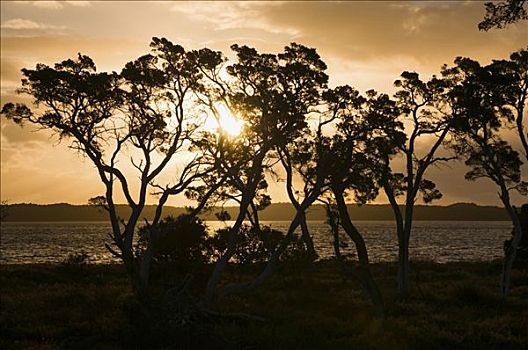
x,y
453,306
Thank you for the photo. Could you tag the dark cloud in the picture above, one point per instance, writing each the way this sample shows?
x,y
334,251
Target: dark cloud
x,y
433,32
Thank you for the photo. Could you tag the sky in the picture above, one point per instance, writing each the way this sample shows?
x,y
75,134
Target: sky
x,y
365,44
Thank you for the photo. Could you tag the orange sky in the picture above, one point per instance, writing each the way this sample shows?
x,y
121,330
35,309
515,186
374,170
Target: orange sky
x,y
365,44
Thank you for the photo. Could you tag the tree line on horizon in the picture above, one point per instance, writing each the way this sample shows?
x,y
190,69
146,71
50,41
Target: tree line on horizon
x,y
340,144
18,212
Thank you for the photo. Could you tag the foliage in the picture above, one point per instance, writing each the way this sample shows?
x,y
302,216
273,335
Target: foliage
x,y
181,240
501,14
223,215
185,240
478,100
422,105
143,115
422,109
367,132
511,77
77,259
255,245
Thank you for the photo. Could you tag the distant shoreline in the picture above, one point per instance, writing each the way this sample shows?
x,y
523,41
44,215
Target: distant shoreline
x,y
63,212
262,222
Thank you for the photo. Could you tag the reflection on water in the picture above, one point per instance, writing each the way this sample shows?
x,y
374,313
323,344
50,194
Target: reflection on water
x,y
441,241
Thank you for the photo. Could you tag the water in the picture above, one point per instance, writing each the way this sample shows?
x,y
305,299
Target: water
x,y
441,241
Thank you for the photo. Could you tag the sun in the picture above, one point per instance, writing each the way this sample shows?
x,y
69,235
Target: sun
x,y
225,122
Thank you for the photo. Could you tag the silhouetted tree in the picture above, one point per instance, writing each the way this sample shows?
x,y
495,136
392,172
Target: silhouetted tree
x,y
312,190
477,98
232,159
333,221
501,14
512,76
273,94
421,106
522,247
301,158
142,114
367,131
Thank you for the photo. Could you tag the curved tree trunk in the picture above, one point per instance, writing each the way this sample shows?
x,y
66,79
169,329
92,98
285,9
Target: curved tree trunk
x,y
305,233
511,251
370,285
234,288
306,237
333,222
221,264
403,244
253,217
519,121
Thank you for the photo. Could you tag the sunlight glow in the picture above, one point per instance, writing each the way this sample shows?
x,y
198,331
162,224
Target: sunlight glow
x,y
225,122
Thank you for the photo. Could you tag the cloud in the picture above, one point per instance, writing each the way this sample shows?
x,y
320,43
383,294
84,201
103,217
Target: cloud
x,y
432,32
50,5
20,23
55,5
79,3
416,21
427,33
27,24
232,14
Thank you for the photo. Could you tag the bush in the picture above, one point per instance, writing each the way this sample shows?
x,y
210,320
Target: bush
x,y
75,263
76,259
255,245
185,240
182,239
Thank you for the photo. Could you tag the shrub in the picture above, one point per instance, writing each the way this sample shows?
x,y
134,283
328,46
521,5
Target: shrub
x,y
185,240
76,259
178,240
255,245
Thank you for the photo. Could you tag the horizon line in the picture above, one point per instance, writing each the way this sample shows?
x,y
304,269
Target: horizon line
x,y
235,206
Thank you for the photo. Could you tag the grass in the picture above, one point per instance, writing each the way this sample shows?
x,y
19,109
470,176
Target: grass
x,y
452,306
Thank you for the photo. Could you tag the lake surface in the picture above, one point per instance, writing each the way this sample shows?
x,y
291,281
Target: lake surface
x,y
440,241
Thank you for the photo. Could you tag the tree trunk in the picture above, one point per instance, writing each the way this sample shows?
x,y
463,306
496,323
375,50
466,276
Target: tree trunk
x,y
210,293
404,236
370,285
511,251
253,216
138,282
224,259
403,244
307,239
403,264
235,288
144,269
332,220
520,128
274,258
